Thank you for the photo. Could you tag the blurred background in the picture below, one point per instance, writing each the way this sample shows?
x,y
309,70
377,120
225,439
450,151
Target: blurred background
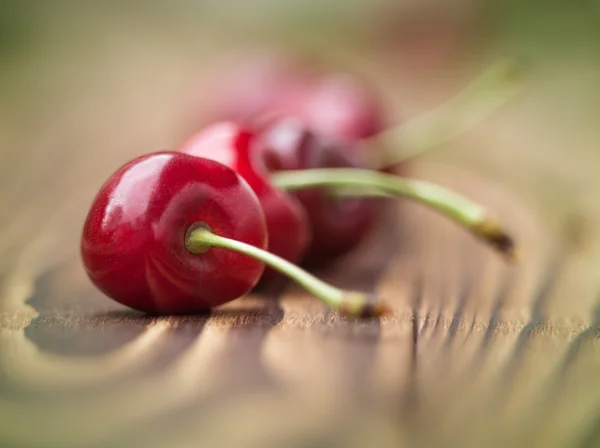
x,y
131,77
85,86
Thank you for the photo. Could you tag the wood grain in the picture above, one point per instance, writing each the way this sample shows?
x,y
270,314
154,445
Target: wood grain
x,y
473,344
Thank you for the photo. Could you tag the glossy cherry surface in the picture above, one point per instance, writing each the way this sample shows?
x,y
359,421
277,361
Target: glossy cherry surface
x,y
236,147
133,242
338,224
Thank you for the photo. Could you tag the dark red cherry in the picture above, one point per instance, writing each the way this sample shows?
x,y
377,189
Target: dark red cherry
x,y
342,107
236,147
338,224
133,242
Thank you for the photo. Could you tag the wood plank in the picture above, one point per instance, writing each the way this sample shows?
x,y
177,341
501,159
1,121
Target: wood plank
x,y
472,342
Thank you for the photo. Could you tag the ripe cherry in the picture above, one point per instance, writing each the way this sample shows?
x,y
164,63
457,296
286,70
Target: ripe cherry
x,y
338,224
236,147
133,239
172,233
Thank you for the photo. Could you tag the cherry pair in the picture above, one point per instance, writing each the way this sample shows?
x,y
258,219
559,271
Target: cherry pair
x,y
318,221
173,233
312,222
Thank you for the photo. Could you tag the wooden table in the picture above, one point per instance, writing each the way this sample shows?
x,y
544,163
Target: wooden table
x,y
476,354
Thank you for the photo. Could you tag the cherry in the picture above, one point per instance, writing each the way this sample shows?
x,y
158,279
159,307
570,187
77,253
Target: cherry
x,y
133,239
338,224
173,233
236,147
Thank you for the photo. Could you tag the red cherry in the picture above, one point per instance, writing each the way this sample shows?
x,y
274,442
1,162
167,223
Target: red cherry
x,y
341,107
133,242
236,147
338,224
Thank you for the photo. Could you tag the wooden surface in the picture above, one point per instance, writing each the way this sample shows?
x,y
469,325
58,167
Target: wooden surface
x,y
477,353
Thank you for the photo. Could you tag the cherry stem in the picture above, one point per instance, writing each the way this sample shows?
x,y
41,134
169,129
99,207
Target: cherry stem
x,y
350,303
487,93
455,206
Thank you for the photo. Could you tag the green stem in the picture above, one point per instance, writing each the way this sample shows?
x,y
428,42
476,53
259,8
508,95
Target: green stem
x,y
352,303
486,94
457,207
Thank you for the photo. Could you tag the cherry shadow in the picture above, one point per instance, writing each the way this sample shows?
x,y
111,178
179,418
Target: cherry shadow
x,y
80,321
97,328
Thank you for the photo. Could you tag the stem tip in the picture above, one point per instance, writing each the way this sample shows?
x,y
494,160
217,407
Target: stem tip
x,y
490,231
356,304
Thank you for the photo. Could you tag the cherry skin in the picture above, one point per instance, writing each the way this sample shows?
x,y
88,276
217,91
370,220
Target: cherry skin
x,y
236,147
133,241
338,224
